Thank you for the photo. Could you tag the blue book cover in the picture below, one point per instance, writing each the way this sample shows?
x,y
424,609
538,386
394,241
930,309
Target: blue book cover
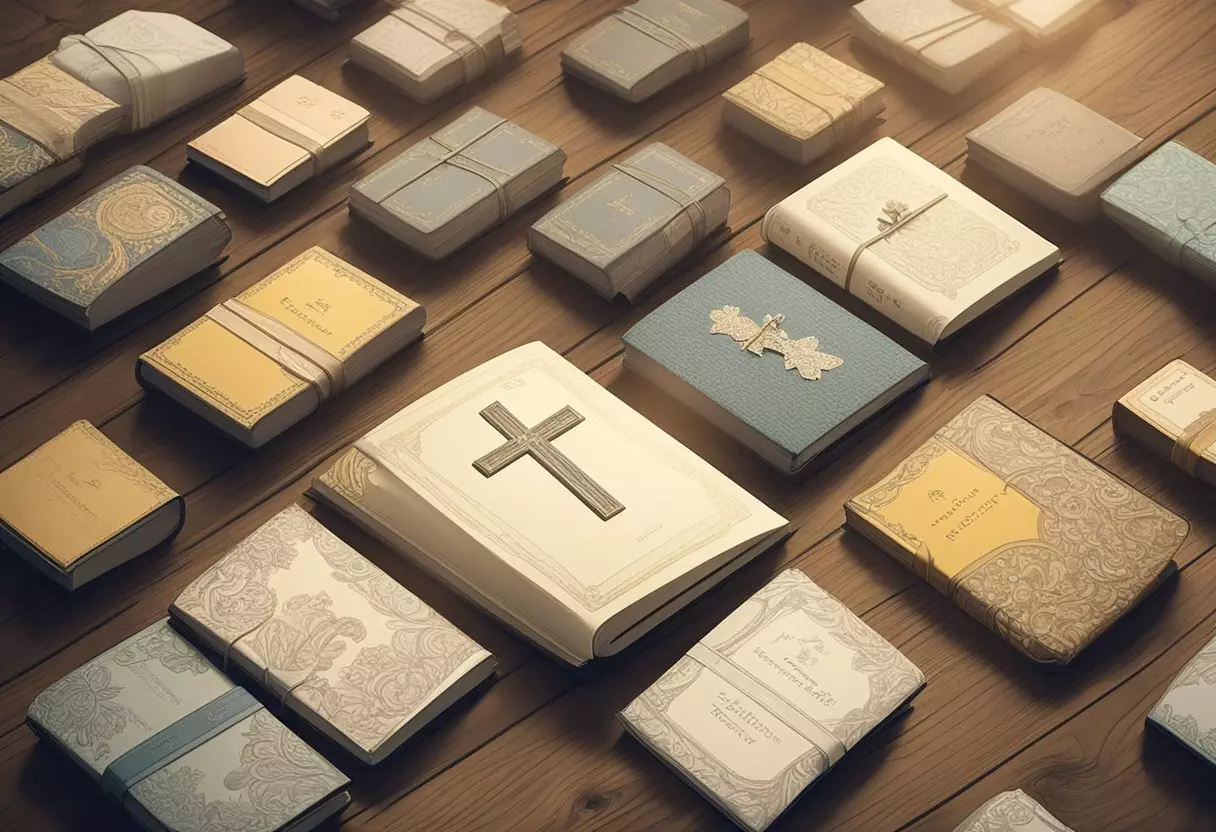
x,y
784,369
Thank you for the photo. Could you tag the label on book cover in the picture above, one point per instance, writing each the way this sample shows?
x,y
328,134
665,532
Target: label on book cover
x,y
1175,397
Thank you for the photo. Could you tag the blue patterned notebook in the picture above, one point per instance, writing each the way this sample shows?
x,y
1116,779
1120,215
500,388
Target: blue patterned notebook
x,y
71,262
770,360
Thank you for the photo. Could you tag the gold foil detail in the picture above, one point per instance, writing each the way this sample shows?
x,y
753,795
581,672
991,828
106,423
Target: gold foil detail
x,y
801,354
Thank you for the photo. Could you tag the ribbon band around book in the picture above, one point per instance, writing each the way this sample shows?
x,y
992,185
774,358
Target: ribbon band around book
x,y
898,214
147,90
810,729
807,88
989,10
1193,231
280,343
1191,443
688,204
37,122
278,123
269,681
664,34
497,177
176,740
468,48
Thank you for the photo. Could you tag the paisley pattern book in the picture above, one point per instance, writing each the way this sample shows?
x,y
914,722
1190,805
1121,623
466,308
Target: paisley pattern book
x,y
773,697
548,502
133,238
258,363
803,103
647,46
1168,203
154,65
47,119
180,747
1173,414
426,48
1013,811
331,636
770,361
458,183
78,506
1187,711
1028,537
908,239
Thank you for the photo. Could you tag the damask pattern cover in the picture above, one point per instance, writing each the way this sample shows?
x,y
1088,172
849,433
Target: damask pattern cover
x,y
330,634
1187,712
1030,538
1013,811
254,774
769,700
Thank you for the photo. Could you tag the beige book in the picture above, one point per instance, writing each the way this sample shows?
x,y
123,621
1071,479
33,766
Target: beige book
x,y
803,103
1045,21
550,503
262,361
1173,414
909,239
280,140
331,636
78,506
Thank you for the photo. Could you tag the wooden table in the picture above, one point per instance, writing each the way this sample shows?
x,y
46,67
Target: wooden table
x,y
539,748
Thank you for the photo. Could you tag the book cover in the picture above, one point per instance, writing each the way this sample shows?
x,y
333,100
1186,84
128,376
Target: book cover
x,y
1187,711
1013,811
1173,412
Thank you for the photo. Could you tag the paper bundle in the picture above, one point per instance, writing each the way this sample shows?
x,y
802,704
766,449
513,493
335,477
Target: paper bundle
x,y
428,47
1055,150
803,103
457,184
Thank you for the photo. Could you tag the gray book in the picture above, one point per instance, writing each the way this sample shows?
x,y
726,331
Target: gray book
x,y
770,361
1187,712
647,46
634,222
458,183
178,745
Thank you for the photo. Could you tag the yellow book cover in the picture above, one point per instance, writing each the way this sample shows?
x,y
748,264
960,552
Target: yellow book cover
x,y
75,493
1027,536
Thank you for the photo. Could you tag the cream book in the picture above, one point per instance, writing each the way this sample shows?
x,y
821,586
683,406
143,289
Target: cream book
x,y
278,141
258,363
329,635
908,239
181,748
549,503
1173,414
773,697
78,506
1013,811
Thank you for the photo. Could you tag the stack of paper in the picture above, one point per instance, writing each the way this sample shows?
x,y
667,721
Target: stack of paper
x,y
459,183
649,45
1168,202
633,223
942,41
1013,811
283,138
153,64
428,47
1054,149
1173,414
909,239
261,361
332,637
47,118
134,237
803,103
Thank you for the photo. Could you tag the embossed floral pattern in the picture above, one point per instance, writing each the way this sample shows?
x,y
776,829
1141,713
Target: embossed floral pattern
x,y
1011,812
1188,709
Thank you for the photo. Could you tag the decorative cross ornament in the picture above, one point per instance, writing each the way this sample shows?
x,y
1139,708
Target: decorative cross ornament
x,y
537,443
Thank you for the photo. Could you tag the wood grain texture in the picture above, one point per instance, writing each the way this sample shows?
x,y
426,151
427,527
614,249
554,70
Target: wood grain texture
x,y
539,749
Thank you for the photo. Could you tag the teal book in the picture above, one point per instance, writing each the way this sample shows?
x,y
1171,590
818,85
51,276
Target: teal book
x,y
1168,202
770,361
136,236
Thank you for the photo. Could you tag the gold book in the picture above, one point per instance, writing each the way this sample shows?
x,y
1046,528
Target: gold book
x,y
1027,536
78,506
262,361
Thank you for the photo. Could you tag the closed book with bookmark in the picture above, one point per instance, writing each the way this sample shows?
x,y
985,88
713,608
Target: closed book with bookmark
x,y
177,745
1173,414
1030,538
1013,811
1187,711
458,183
771,699
329,635
260,362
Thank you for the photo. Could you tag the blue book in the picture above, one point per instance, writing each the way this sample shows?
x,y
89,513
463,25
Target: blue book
x,y
770,361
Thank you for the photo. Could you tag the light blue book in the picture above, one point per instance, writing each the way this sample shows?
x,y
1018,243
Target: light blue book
x,y
1187,712
771,361
1168,202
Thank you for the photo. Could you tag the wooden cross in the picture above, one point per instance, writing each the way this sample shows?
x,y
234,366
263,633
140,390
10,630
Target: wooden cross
x,y
537,443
